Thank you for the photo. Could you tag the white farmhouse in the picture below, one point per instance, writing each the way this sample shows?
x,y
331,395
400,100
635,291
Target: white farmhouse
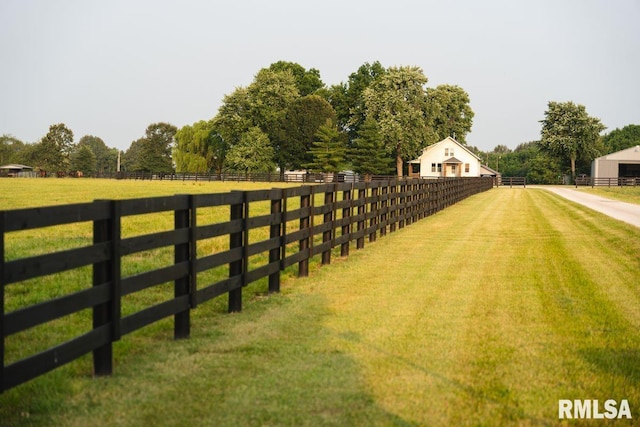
x,y
445,159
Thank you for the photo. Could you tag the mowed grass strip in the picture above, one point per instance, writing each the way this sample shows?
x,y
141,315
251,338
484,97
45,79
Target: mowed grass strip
x,y
484,314
629,194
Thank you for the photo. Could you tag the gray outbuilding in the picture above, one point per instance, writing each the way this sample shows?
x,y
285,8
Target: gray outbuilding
x,y
621,164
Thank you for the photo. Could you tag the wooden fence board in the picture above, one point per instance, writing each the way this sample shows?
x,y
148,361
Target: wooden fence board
x,y
217,289
30,218
46,311
57,262
43,362
152,278
157,240
154,313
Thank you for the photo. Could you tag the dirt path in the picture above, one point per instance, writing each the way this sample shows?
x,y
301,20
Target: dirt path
x,y
627,212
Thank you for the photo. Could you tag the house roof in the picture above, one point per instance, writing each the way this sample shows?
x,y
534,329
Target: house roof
x,y
452,160
15,166
486,170
440,143
631,153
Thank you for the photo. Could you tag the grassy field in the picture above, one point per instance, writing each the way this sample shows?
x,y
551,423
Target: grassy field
x,y
625,194
487,313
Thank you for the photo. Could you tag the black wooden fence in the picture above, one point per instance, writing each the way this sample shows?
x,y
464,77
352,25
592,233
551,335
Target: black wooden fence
x,y
608,182
302,222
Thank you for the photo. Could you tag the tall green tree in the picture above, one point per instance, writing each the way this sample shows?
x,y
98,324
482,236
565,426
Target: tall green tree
x,y
106,158
54,149
234,116
347,98
199,148
368,153
132,158
157,147
398,102
262,104
621,139
301,121
152,153
84,160
252,154
569,133
451,113
10,148
307,81
329,149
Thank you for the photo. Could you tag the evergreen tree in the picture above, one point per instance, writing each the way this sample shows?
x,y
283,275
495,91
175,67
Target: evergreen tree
x,y
84,160
328,150
369,155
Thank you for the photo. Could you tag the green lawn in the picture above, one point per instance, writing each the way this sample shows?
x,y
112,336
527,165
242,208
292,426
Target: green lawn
x,y
486,313
625,194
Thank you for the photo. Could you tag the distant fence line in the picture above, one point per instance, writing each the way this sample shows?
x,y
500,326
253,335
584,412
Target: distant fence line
x,y
301,177
608,182
511,181
303,222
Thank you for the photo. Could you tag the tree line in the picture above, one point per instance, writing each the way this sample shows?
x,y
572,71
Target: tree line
x,y
288,119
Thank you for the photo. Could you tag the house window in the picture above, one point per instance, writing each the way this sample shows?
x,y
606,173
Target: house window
x,y
466,167
446,151
453,169
433,167
451,152
440,167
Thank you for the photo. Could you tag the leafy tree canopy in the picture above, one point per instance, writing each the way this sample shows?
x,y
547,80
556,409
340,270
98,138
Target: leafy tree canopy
x,y
569,133
253,153
84,160
398,102
199,148
299,126
621,139
106,158
10,148
348,98
307,81
54,150
152,153
262,104
451,113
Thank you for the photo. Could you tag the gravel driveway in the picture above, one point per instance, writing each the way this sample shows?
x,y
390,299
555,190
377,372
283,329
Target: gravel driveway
x,y
627,212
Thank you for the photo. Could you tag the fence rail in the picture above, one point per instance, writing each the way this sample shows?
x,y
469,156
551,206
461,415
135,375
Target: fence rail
x,y
511,181
301,223
608,182
301,177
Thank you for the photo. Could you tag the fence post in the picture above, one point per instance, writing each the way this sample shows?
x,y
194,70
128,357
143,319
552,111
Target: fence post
x,y
373,221
402,209
107,230
305,203
346,222
384,209
393,214
1,302
327,218
182,286
236,267
362,209
275,232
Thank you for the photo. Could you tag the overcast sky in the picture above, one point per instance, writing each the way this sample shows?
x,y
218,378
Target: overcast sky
x,y
111,68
